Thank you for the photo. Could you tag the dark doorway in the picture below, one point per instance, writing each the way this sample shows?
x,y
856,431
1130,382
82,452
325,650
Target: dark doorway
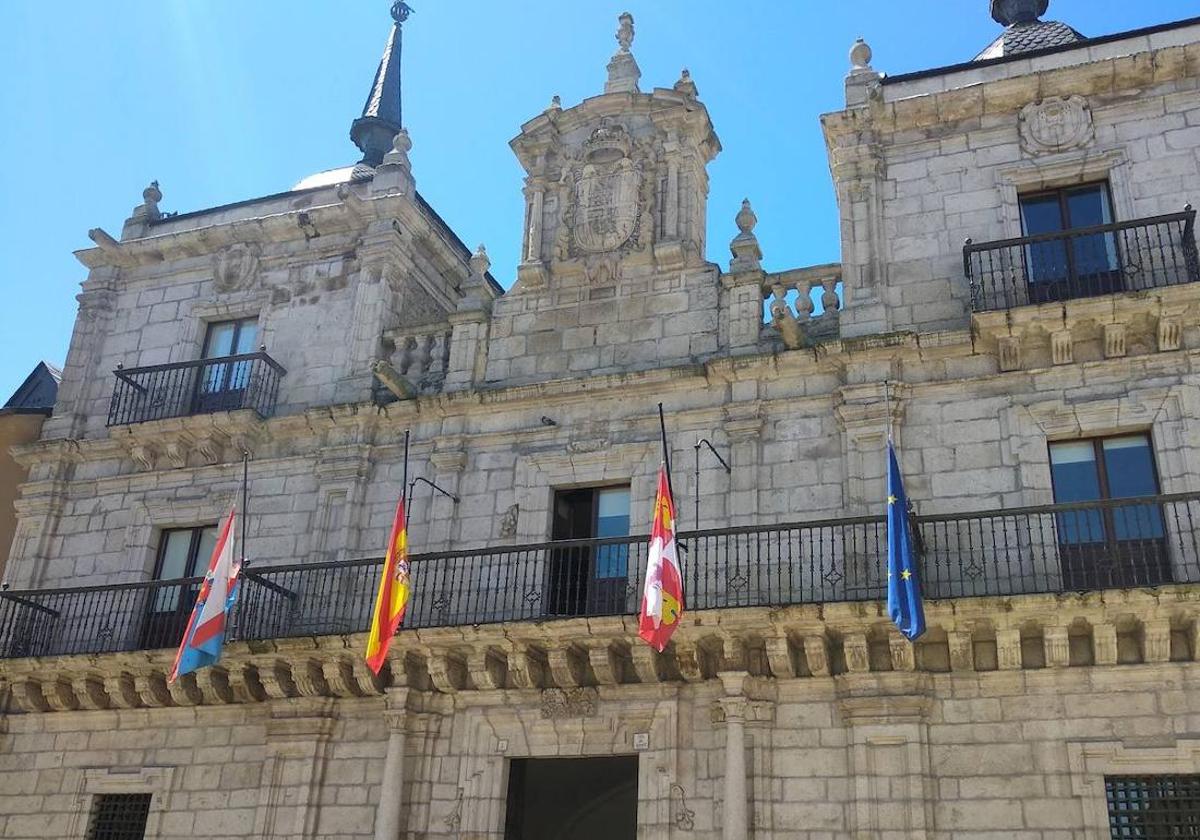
x,y
572,799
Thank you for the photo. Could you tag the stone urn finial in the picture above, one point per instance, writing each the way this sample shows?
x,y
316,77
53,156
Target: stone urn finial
x,y
860,55
625,31
480,263
746,220
747,255
685,85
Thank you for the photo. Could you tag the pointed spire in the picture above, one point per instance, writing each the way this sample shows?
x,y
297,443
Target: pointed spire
x,y
382,117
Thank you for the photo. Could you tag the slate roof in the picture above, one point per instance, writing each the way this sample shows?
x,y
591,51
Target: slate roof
x,y
1028,36
38,392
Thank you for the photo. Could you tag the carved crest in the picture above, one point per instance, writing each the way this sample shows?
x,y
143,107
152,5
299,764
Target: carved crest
x,y
607,192
558,703
235,268
1056,124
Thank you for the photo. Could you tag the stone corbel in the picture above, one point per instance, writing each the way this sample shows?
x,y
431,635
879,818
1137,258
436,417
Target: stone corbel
x,y
816,654
447,671
903,653
1170,329
1056,643
526,666
1061,347
1009,351
1114,341
122,692
779,656
962,650
1008,650
152,687
857,653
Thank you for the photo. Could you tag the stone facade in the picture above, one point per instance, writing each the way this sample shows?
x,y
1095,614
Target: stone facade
x,y
814,719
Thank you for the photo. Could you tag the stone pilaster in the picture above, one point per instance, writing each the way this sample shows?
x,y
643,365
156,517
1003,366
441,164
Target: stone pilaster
x,y
389,816
888,742
743,429
298,735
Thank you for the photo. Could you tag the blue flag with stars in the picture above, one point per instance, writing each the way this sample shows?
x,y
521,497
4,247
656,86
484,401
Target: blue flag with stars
x,y
903,580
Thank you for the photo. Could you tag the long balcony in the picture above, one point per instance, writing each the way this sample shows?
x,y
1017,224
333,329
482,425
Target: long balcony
x,y
205,386
1131,543
1143,254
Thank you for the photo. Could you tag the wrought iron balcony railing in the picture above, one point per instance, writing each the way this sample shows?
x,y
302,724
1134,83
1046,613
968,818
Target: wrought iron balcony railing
x,y
204,386
1085,262
1143,542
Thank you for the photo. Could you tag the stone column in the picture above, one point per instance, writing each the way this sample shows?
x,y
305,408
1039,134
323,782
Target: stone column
x,y
533,243
388,817
734,820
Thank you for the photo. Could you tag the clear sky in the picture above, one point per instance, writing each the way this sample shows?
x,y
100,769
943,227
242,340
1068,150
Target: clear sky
x,y
222,100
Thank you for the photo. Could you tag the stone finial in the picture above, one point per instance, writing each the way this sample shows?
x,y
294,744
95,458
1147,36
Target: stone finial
x,y
480,263
148,210
555,104
625,31
685,85
747,256
1008,12
401,146
860,56
623,71
477,293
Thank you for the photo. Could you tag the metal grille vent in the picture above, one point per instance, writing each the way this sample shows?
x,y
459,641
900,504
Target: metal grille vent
x,y
1153,807
119,816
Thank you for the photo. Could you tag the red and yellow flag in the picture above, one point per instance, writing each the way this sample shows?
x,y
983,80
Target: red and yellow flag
x,y
392,599
662,598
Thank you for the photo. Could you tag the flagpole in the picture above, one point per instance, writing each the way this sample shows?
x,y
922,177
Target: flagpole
x,y
887,408
245,499
404,485
662,428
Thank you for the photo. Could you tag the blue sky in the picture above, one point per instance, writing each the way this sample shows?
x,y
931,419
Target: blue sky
x,y
224,100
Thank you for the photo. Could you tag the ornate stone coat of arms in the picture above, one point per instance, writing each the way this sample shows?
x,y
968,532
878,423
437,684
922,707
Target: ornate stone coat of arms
x,y
1056,124
607,193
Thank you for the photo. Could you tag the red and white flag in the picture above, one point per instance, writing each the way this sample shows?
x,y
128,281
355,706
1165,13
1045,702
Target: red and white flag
x,y
662,598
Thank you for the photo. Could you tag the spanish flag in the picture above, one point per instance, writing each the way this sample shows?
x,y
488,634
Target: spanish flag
x,y
662,598
392,599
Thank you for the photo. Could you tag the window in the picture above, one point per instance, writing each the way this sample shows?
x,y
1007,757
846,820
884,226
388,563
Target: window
x,y
1153,807
223,385
1114,545
1061,264
119,816
589,579
182,553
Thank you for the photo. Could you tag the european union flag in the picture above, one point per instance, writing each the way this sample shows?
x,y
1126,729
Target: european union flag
x,y
903,581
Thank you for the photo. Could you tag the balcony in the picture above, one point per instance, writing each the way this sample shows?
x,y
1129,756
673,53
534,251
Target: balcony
x,y
205,386
1131,256
1123,544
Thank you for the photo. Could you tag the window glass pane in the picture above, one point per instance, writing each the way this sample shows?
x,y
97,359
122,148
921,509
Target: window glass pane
x,y
1076,479
1073,467
1041,214
247,339
1129,464
1044,261
220,340
208,541
175,555
1088,206
612,520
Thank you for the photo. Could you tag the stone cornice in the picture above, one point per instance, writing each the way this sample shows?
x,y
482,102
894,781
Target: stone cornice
x,y
432,668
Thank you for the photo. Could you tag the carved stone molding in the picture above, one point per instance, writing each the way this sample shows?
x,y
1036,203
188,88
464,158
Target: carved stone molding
x,y
558,704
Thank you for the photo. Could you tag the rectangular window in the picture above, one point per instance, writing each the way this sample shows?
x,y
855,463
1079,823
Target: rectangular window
x,y
589,579
1063,264
223,385
1153,807
1113,545
182,553
119,816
